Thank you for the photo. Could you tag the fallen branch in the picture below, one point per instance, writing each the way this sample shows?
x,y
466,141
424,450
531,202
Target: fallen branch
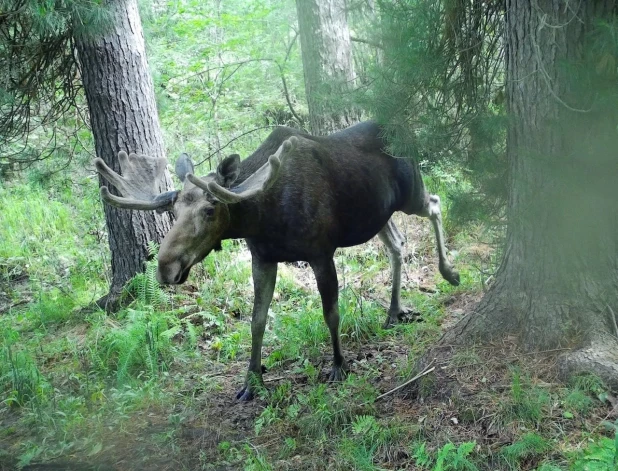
x,y
366,41
420,375
19,303
613,317
271,380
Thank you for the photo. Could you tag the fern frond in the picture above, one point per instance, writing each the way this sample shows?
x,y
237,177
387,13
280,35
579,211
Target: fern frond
x,y
146,286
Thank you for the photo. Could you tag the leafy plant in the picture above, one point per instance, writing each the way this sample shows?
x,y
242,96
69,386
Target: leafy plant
x,y
20,378
360,320
578,401
455,458
448,458
326,411
529,445
591,384
548,467
602,455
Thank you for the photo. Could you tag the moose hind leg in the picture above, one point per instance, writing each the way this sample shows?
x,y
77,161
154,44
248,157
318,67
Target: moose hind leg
x,y
434,213
264,278
326,277
393,241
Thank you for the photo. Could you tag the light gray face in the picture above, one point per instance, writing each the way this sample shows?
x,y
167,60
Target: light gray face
x,y
201,221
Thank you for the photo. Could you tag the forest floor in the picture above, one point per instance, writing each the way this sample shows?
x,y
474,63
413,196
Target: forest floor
x,y
154,386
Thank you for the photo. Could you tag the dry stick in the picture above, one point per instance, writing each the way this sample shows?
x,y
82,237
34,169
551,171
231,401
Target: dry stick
x,y
19,303
596,427
278,378
409,381
613,317
545,351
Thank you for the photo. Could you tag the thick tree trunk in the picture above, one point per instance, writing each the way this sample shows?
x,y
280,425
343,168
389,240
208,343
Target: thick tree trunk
x,y
123,116
327,64
558,281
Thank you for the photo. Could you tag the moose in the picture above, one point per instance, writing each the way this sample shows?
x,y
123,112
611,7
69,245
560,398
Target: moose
x,y
296,198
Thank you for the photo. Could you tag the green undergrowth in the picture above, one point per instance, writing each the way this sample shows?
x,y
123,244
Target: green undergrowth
x,y
141,384
49,233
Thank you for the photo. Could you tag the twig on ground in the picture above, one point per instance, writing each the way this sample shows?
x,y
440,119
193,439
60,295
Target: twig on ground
x,y
272,380
18,303
546,351
613,318
213,375
427,371
596,427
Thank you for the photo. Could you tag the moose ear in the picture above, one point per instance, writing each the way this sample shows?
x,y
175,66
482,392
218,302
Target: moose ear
x,y
228,170
183,166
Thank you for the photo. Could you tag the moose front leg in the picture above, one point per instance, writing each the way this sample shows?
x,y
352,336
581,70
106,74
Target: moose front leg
x,y
328,286
264,277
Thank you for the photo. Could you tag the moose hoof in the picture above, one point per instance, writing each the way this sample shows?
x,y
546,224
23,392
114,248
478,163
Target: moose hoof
x,y
338,373
245,394
389,323
402,315
253,384
453,278
450,275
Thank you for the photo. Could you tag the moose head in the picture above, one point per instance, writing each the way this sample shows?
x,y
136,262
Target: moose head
x,y
200,208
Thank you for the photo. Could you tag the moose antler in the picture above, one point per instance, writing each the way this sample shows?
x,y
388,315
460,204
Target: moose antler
x,y
138,183
260,181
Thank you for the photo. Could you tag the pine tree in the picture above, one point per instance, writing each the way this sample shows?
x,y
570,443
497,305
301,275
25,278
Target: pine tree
x,y
46,48
557,283
327,64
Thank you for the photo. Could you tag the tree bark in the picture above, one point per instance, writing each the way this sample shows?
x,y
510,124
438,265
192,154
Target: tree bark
x,y
327,64
558,281
123,116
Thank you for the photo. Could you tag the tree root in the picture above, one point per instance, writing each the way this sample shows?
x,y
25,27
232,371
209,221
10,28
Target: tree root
x,y
491,321
112,302
599,357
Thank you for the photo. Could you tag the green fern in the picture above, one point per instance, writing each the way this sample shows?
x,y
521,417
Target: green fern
x,y
549,467
455,459
365,425
146,286
142,347
421,455
448,458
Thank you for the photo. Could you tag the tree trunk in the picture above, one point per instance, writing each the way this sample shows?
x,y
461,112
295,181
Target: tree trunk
x,y
123,116
327,63
557,285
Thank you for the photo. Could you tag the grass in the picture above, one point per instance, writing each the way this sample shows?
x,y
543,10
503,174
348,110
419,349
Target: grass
x,y
153,385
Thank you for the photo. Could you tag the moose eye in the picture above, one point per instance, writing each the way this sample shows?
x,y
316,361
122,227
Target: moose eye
x,y
209,212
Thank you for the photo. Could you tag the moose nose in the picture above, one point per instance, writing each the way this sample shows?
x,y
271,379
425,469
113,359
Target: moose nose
x,y
160,277
179,278
168,274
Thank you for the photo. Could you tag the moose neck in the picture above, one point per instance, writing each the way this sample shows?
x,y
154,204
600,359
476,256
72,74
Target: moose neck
x,y
244,217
